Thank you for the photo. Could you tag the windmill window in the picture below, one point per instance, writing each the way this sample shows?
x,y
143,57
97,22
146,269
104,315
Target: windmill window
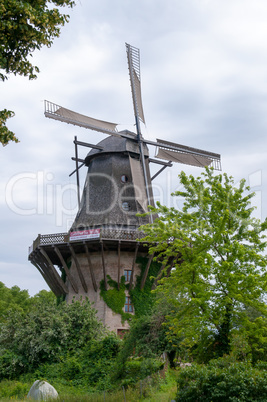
x,y
124,178
127,275
128,307
125,206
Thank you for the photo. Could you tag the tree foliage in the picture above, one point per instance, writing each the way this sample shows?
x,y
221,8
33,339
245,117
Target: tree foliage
x,y
16,299
24,27
11,299
64,343
5,134
215,249
45,334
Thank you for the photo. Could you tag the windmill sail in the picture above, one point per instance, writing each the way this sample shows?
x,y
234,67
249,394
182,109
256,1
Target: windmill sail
x,y
187,155
57,112
183,157
133,55
139,183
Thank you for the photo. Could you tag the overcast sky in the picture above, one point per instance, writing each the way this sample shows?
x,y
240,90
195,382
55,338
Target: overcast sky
x,y
204,84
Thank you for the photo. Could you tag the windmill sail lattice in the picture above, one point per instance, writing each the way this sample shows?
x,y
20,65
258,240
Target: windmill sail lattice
x,y
133,56
187,155
57,112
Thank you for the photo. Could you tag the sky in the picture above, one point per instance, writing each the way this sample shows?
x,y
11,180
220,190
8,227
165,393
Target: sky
x,y
204,84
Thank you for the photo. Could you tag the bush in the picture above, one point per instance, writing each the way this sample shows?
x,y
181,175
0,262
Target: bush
x,y
45,335
222,381
86,368
139,368
98,360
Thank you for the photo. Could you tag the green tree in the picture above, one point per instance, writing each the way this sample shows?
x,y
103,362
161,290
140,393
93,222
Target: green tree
x,y
12,299
46,334
215,249
24,27
16,299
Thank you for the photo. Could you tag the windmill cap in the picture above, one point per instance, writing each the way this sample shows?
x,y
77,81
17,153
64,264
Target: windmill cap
x,y
116,144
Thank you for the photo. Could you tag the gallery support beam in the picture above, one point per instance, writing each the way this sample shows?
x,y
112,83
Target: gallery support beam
x,y
90,267
133,266
36,262
103,265
119,264
146,271
66,269
54,272
75,259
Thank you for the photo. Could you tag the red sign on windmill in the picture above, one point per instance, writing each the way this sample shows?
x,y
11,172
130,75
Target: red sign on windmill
x,y
85,234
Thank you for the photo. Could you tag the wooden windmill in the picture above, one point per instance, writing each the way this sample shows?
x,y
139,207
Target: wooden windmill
x,y
104,238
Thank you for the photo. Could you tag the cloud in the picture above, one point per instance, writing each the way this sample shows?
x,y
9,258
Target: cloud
x,y
204,84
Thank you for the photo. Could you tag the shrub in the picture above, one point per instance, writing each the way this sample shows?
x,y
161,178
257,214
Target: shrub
x,y
222,381
45,335
139,368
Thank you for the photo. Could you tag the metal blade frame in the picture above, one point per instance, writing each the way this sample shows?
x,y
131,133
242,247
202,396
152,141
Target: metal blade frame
x,y
214,158
51,112
133,56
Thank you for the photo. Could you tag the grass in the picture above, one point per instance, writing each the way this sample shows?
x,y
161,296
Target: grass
x,y
130,396
154,389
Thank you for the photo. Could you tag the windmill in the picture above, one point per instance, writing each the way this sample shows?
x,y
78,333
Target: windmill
x,y
104,238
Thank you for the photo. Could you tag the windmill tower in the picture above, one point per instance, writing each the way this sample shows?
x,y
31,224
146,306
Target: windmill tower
x,y
104,242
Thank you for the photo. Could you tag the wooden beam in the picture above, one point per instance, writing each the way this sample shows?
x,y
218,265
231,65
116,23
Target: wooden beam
x,y
78,268
158,162
77,172
90,267
67,271
49,278
86,144
54,272
79,167
119,263
158,172
37,265
146,270
49,274
52,283
133,266
78,160
103,265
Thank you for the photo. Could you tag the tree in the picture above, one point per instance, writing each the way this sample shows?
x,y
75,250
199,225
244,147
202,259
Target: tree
x,y
46,334
213,248
16,299
12,299
24,27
